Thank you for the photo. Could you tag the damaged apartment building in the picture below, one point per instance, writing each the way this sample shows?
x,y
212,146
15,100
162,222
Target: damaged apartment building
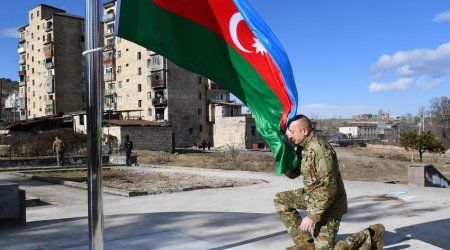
x,y
138,83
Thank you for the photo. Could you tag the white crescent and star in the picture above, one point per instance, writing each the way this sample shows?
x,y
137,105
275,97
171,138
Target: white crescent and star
x,y
234,21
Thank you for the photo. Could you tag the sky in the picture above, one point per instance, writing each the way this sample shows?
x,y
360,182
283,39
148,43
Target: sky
x,y
348,57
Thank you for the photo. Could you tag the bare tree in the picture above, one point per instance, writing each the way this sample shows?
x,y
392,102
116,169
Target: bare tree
x,y
234,152
440,114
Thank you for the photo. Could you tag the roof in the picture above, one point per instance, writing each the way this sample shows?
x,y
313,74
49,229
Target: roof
x,y
136,123
43,123
65,14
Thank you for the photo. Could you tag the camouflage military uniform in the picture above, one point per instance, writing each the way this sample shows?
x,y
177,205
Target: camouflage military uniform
x,y
323,196
58,148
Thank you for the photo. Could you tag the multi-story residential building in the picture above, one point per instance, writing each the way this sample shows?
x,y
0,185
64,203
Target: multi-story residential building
x,y
8,100
156,89
51,64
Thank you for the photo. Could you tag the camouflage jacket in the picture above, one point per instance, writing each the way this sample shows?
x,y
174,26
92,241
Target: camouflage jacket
x,y
324,190
58,146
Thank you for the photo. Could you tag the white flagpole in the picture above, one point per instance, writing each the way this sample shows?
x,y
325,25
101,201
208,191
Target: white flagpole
x,y
94,105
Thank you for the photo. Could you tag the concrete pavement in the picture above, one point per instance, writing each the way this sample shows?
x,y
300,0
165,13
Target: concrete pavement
x,y
226,218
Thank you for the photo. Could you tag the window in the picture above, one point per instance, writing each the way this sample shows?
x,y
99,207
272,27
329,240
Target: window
x,y
199,79
37,14
149,112
119,69
31,17
139,55
200,112
126,65
200,128
200,96
139,71
38,26
139,87
149,95
191,131
139,103
253,131
81,119
119,84
119,54
32,35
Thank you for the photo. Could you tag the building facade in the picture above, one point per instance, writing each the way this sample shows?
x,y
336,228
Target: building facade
x,y
367,131
51,64
234,130
9,106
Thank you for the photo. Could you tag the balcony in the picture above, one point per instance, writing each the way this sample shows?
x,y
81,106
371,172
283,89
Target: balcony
x,y
109,17
108,46
48,53
111,106
49,65
110,92
160,83
109,77
49,86
22,94
22,72
22,83
22,38
159,101
22,105
22,61
49,109
48,41
110,60
48,27
21,50
109,32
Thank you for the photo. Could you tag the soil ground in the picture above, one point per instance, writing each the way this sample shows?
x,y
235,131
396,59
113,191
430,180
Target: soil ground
x,y
358,163
362,164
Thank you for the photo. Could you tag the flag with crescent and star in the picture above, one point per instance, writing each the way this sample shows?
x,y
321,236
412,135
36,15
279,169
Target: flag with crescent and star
x,y
229,43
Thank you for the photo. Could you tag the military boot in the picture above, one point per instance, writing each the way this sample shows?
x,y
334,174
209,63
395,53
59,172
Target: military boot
x,y
302,246
377,239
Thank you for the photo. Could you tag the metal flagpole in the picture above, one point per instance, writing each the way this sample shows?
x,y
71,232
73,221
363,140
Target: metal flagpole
x,y
93,58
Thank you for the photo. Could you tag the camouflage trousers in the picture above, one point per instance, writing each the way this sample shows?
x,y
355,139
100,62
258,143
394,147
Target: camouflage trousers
x,y
325,231
59,159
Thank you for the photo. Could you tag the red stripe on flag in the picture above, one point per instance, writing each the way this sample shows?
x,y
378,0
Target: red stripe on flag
x,y
215,15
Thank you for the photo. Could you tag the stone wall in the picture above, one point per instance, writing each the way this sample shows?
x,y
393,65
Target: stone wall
x,y
144,138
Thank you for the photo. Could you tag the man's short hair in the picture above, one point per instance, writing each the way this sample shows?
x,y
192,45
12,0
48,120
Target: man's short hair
x,y
301,116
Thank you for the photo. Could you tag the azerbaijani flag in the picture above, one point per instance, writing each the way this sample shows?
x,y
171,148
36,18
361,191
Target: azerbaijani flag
x,y
227,42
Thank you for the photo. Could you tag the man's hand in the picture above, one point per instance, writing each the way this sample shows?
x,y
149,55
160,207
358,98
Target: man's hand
x,y
307,224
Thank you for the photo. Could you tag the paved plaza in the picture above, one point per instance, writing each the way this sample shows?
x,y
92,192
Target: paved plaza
x,y
225,218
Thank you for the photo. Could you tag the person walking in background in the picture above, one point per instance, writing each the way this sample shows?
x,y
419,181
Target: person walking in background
x,y
323,197
128,145
58,149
